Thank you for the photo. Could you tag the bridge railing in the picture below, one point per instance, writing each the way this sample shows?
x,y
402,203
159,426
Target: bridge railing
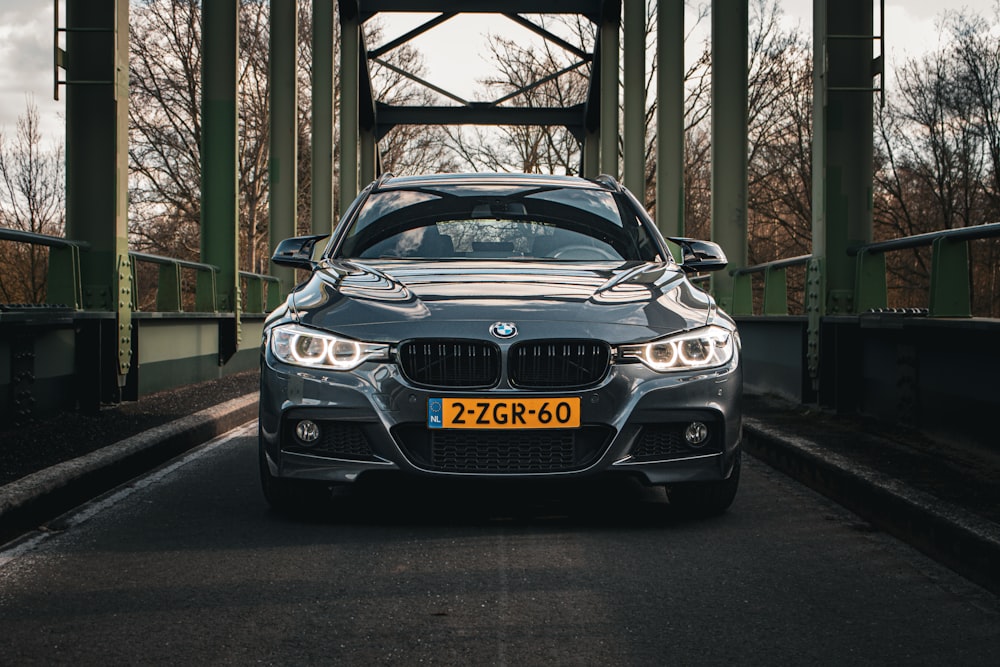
x,y
950,284
64,283
775,297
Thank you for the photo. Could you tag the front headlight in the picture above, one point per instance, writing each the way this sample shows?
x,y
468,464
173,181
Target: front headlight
x,y
708,347
297,345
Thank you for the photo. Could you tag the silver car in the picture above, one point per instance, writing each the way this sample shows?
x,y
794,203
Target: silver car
x,y
504,327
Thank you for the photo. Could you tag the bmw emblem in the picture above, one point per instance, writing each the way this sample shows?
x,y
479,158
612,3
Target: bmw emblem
x,y
504,330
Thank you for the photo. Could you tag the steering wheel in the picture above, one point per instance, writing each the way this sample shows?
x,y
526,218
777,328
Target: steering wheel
x,y
584,252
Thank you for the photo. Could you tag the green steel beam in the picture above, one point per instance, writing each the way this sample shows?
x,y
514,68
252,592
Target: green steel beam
x,y
670,117
350,56
775,291
742,301
869,284
842,143
950,288
168,289
610,46
220,218
220,165
255,294
284,129
367,8
322,117
729,139
390,116
97,51
63,283
635,98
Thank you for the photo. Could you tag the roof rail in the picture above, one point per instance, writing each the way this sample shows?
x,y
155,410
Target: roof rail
x,y
609,181
382,179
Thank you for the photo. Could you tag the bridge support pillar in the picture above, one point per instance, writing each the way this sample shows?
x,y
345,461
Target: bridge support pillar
x,y
322,117
670,117
284,129
729,139
97,71
635,98
610,47
350,58
842,145
220,168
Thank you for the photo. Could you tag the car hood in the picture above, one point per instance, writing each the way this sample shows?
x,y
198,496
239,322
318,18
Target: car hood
x,y
393,300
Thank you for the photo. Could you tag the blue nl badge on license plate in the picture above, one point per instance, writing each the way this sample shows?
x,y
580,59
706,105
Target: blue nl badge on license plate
x,y
435,412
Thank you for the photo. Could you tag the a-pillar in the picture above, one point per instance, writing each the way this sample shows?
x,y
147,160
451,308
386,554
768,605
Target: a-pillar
x,y
729,139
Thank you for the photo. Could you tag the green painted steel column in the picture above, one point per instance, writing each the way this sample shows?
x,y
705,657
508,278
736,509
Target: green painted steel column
x,y
350,49
220,168
610,46
322,117
670,117
635,98
842,146
729,139
97,51
284,129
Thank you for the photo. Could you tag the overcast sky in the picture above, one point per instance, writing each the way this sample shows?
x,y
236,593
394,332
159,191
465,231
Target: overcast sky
x,y
26,29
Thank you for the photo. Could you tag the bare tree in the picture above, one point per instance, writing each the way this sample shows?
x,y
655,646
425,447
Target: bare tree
x,y
779,115
529,75
407,149
165,127
32,199
938,153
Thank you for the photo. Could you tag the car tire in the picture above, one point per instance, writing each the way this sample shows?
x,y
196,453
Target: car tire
x,y
291,497
704,499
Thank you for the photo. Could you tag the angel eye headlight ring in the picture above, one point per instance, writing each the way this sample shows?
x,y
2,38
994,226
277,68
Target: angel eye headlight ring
x,y
708,347
302,346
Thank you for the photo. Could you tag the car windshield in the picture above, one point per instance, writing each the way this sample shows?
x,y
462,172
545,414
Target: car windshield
x,y
497,221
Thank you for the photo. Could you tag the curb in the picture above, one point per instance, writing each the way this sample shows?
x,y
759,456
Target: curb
x,y
950,534
30,501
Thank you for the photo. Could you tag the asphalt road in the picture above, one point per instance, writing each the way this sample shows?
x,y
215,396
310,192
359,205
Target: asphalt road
x,y
188,566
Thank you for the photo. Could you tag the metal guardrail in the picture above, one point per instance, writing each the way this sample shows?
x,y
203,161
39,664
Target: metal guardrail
x,y
775,285
65,285
63,282
950,286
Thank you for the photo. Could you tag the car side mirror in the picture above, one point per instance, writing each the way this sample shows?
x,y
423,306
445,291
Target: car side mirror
x,y
297,252
700,255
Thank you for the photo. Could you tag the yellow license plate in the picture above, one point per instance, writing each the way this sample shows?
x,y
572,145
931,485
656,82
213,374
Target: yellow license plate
x,y
501,413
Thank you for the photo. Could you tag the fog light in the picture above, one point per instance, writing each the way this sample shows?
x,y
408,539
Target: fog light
x,y
696,434
307,432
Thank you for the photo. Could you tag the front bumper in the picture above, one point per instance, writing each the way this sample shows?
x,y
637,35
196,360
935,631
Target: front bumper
x,y
371,419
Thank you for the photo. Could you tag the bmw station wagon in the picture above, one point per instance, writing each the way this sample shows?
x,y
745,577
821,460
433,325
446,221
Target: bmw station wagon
x,y
505,327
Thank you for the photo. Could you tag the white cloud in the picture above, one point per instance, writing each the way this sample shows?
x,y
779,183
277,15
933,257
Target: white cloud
x,y
26,34
26,39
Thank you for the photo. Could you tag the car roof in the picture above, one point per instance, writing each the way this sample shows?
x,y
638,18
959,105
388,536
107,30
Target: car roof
x,y
389,182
